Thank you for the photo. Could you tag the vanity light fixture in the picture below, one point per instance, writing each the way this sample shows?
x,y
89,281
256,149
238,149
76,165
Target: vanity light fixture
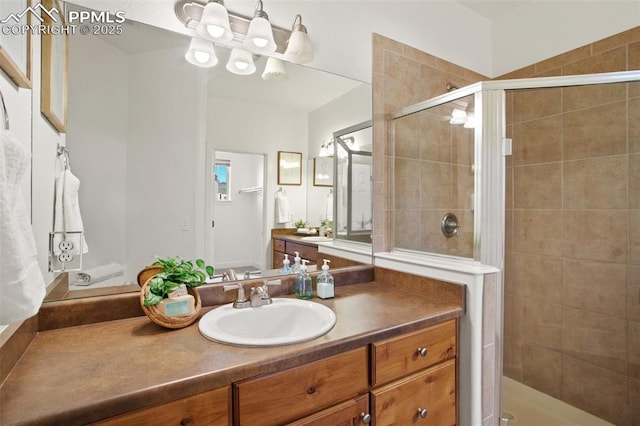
x,y
260,35
274,70
458,116
241,62
201,53
214,23
326,149
299,50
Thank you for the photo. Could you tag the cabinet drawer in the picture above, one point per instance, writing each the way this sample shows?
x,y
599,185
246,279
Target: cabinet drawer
x,y
208,408
349,413
278,245
431,393
398,357
306,252
292,394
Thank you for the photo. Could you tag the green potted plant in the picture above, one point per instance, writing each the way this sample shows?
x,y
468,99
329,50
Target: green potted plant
x,y
171,274
326,226
176,271
300,223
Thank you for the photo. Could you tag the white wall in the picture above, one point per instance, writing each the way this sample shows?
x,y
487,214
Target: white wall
x,y
163,158
542,29
241,127
348,110
239,230
97,139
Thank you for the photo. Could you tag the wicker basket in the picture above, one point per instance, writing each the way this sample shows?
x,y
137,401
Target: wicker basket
x,y
159,318
148,272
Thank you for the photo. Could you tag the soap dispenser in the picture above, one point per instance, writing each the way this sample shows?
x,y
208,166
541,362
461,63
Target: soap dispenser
x,y
296,263
325,283
303,284
286,266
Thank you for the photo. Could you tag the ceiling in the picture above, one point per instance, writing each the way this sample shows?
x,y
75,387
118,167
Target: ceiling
x,y
493,10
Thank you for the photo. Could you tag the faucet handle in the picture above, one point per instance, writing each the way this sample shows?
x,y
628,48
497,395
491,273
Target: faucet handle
x,y
241,299
266,297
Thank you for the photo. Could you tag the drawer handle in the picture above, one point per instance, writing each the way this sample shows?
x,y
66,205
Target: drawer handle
x,y
366,418
422,352
311,390
422,412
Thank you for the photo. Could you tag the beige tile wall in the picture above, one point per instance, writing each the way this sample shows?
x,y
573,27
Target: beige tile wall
x,y
403,76
572,314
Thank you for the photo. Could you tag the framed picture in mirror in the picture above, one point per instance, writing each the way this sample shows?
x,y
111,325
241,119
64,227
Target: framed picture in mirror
x,y
289,168
55,62
323,171
15,48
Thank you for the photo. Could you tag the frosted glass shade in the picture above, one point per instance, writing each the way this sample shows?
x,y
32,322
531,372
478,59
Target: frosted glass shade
x,y
274,70
260,37
241,62
201,53
299,50
214,24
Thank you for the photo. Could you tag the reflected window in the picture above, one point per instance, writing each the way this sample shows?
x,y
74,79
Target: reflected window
x,y
222,174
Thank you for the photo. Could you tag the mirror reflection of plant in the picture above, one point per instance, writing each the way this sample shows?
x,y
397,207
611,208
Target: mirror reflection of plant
x,y
327,223
176,271
300,223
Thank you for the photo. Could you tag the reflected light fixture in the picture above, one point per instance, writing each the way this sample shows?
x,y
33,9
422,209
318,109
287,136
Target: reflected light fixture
x,y
458,116
326,149
471,121
274,70
201,53
214,24
260,35
299,50
241,62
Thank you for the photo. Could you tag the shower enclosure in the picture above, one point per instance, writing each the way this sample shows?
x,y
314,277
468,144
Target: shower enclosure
x,y
539,178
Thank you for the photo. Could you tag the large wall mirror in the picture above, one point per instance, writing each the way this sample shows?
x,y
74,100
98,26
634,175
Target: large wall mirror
x,y
144,129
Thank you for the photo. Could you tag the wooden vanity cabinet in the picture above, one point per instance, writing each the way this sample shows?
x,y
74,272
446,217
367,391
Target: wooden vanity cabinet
x,y
283,245
208,408
414,377
292,394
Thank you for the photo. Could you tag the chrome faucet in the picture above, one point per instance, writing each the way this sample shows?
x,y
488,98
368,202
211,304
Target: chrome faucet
x,y
260,295
241,301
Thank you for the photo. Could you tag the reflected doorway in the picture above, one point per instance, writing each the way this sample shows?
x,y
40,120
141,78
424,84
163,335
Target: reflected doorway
x,y
236,210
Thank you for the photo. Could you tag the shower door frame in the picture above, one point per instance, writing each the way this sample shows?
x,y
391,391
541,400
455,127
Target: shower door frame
x,y
490,148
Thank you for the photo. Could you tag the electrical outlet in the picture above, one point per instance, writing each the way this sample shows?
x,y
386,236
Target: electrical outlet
x,y
65,257
65,245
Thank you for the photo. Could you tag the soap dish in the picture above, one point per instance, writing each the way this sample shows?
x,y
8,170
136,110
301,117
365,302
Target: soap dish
x,y
161,319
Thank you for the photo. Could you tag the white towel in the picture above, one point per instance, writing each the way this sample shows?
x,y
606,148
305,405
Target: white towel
x,y
329,212
283,211
66,216
22,286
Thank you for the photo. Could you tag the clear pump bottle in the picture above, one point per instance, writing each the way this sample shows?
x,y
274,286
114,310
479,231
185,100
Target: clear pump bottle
x,y
296,263
325,287
303,283
286,266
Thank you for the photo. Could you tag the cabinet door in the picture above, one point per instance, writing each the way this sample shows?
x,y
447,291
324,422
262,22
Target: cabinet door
x,y
292,394
400,356
309,252
207,409
427,398
354,412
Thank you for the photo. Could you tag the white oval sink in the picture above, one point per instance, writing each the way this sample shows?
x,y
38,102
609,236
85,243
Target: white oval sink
x,y
283,322
317,239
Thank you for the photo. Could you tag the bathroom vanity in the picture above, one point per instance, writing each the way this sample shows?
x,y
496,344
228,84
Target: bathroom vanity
x,y
391,354
284,241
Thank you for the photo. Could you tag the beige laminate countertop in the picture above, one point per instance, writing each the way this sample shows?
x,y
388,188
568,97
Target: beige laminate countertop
x,y
81,374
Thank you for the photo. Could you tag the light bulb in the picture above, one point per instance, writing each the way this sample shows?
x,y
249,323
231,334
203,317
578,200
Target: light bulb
x,y
215,31
241,65
201,57
260,42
